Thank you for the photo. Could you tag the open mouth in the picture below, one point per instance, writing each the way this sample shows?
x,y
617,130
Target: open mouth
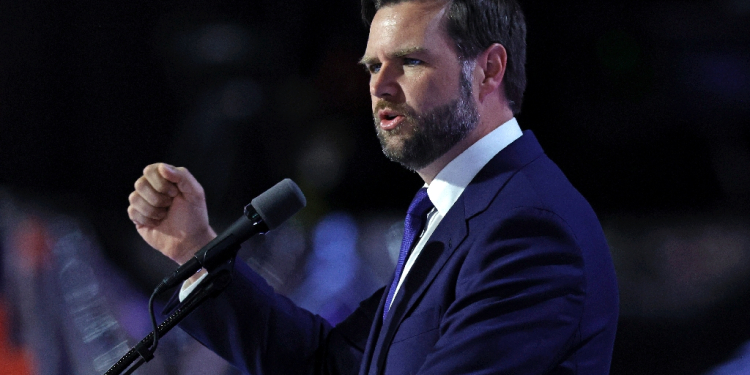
x,y
389,119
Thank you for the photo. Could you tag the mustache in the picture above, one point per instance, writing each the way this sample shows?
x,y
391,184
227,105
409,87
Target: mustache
x,y
402,108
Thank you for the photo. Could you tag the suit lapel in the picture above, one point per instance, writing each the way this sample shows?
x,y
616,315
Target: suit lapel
x,y
448,236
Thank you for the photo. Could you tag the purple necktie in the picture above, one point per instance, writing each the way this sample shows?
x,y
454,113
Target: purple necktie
x,y
415,220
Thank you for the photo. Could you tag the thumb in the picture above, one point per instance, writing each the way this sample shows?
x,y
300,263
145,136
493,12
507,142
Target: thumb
x,y
182,178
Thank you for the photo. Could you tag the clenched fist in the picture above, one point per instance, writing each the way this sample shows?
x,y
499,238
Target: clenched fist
x,y
168,208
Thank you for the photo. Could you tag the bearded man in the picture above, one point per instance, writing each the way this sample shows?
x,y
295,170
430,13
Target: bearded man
x,y
507,270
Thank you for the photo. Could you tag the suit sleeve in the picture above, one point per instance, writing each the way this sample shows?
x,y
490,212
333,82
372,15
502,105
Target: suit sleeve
x,y
519,299
261,332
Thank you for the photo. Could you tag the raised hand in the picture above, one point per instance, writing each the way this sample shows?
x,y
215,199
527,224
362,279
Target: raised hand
x,y
168,208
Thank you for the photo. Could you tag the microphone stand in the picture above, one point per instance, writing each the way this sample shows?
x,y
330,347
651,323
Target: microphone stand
x,y
212,285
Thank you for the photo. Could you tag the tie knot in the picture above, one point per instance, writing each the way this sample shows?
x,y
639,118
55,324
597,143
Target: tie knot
x,y
420,205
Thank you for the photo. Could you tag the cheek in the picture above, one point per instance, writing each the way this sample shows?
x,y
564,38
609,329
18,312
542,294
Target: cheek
x,y
430,91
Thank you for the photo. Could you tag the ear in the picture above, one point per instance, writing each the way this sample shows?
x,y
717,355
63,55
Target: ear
x,y
491,68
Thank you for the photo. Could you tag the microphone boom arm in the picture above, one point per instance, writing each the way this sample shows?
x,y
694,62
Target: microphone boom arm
x,y
212,285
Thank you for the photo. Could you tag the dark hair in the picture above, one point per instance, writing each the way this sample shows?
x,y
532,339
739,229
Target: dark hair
x,y
476,24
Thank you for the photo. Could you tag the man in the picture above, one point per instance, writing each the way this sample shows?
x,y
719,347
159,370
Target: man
x,y
511,274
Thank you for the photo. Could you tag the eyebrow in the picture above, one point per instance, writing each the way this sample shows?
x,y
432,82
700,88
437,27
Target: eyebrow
x,y
367,60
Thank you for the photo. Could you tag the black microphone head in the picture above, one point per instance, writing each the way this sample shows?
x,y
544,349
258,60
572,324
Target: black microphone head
x,y
277,204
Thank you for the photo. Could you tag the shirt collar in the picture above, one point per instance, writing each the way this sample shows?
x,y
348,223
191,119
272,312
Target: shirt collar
x,y
451,181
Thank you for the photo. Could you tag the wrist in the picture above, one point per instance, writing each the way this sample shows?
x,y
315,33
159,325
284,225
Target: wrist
x,y
196,243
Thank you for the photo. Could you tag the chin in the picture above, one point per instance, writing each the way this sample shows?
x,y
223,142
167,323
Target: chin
x,y
393,150
393,140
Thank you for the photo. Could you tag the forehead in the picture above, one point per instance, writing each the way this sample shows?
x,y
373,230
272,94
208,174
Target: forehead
x,y
407,25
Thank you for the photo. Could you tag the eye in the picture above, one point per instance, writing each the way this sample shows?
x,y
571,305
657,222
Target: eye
x,y
412,62
373,68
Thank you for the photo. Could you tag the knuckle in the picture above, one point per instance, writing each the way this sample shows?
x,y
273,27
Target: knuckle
x,y
151,167
132,213
140,183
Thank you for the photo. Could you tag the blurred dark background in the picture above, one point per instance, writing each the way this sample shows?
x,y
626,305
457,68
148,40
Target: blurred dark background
x,y
645,105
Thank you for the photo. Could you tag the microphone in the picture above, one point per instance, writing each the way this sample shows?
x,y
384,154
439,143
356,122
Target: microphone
x,y
266,212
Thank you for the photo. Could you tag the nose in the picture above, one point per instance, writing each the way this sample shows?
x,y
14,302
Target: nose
x,y
384,83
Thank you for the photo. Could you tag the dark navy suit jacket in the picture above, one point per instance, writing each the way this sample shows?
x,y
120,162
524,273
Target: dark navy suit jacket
x,y
516,279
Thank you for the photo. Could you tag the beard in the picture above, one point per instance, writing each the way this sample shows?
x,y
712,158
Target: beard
x,y
421,139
